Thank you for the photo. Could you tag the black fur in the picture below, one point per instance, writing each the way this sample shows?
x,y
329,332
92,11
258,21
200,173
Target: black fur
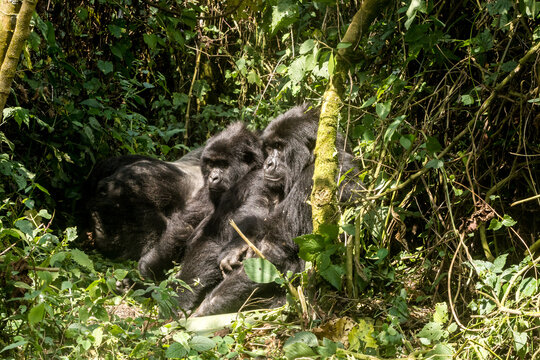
x,y
247,202
287,174
130,200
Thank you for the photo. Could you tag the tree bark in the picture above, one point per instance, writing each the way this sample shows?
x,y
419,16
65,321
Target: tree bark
x,y
323,196
8,18
16,43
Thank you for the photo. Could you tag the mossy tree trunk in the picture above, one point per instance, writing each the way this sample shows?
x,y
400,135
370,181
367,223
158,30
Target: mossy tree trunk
x,y
15,19
323,196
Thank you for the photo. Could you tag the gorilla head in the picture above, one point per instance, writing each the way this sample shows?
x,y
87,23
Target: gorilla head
x,y
288,142
228,156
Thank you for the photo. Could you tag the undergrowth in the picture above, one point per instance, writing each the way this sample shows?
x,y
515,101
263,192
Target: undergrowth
x,y
442,113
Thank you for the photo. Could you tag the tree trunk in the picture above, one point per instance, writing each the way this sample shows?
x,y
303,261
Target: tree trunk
x,y
8,18
13,44
323,196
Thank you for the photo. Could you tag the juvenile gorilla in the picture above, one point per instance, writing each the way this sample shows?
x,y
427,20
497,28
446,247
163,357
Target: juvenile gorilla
x,y
146,209
246,202
288,141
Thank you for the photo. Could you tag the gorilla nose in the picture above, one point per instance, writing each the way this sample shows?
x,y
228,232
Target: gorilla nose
x,y
214,179
269,165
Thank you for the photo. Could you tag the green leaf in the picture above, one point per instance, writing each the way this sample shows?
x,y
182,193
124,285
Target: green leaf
x,y
201,343
383,109
253,78
106,67
333,274
527,288
115,30
296,70
260,270
284,14
343,45
82,259
298,350
441,313
441,352
14,345
151,40
435,164
414,7
307,46
328,349
467,99
432,331
494,225
93,103
508,221
331,64
349,229
405,142
282,68
305,337
520,340
509,66
36,314
388,135
368,102
432,145
89,134
310,246
25,226
498,263
175,351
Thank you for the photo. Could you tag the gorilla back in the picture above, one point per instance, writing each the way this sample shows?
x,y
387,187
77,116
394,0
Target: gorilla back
x,y
128,200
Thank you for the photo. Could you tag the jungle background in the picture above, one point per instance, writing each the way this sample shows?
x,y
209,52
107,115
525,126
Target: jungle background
x,y
440,104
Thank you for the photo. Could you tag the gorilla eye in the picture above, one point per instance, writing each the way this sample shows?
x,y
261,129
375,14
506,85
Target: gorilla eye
x,y
220,163
274,146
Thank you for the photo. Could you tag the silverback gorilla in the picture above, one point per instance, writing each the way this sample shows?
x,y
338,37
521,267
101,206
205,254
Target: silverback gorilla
x,y
145,209
272,211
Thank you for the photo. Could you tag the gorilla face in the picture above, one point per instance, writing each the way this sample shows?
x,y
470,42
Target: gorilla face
x,y
228,157
288,143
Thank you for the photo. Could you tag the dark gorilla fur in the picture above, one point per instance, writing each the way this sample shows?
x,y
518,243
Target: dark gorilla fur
x,y
287,175
145,209
129,200
247,203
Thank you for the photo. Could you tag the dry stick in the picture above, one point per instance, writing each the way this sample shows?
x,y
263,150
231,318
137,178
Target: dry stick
x,y
291,288
250,244
483,108
37,268
451,303
195,72
525,200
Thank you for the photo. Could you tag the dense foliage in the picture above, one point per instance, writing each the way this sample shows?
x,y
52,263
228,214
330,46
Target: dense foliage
x,y
442,112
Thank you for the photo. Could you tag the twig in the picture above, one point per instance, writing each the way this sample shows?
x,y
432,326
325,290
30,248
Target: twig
x,y
525,200
37,268
250,244
188,106
458,137
450,301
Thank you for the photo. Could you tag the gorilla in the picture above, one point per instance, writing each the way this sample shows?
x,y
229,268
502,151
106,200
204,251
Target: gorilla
x,y
287,174
145,209
247,203
128,201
